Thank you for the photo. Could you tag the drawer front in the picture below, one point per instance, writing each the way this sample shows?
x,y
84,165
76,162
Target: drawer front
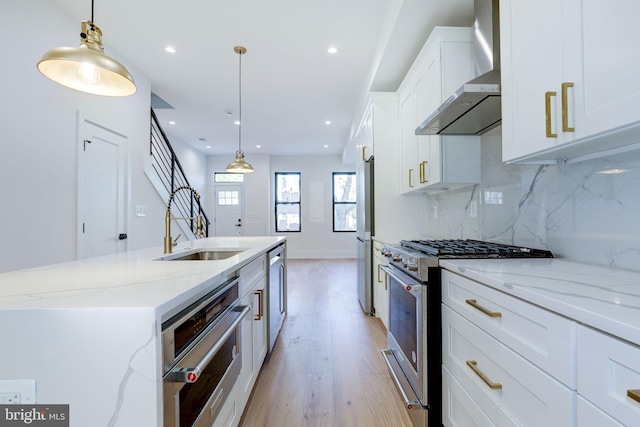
x,y
590,416
459,409
540,336
479,362
607,369
250,272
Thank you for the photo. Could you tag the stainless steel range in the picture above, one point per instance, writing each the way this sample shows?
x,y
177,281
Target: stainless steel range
x,y
414,355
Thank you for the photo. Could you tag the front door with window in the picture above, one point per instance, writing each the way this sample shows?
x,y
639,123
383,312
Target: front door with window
x,y
228,209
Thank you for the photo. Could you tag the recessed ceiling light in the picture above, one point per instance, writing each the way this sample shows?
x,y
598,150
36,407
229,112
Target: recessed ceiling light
x,y
208,146
332,50
326,146
172,123
237,122
170,49
328,122
258,146
612,171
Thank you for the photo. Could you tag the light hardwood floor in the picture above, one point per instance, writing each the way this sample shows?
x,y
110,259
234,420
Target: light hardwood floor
x,y
326,368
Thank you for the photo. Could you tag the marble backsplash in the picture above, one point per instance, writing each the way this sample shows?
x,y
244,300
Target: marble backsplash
x,y
572,210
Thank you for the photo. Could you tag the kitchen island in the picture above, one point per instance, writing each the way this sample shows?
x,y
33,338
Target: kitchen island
x,y
88,332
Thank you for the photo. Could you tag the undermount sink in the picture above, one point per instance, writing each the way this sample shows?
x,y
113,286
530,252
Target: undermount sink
x,y
203,255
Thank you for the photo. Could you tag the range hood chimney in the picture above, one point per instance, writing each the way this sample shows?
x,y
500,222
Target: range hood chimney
x,y
475,108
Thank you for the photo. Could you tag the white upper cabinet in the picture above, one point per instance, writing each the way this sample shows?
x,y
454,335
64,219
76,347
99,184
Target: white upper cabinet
x,y
569,79
437,163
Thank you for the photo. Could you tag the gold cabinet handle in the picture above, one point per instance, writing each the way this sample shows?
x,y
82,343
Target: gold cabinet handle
x,y
260,294
474,367
364,148
565,107
410,173
473,303
547,109
379,280
423,174
634,394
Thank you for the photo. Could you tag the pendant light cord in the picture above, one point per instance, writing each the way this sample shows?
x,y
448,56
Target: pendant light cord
x,y
239,101
92,11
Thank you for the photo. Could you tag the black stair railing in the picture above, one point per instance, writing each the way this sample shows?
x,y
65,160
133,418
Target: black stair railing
x,y
168,167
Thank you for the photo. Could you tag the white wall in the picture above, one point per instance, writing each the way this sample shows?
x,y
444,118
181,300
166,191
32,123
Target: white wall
x,y
316,239
38,161
257,188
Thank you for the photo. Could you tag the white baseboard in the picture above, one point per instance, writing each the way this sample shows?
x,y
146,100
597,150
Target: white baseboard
x,y
293,254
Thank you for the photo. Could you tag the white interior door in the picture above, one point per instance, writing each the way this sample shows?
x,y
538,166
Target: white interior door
x,y
101,191
229,210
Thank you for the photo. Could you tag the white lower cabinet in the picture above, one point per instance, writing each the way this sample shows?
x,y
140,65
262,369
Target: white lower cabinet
x,y
380,290
254,343
590,416
544,338
608,378
461,410
500,381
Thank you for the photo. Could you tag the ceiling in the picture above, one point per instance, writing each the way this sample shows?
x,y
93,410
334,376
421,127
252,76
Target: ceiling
x,y
291,85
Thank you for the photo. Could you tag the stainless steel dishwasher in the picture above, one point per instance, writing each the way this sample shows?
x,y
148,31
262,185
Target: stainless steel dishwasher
x,y
277,293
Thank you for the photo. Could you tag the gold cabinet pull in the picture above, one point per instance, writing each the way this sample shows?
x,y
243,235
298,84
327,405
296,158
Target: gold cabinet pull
x,y
364,147
410,173
423,174
473,303
260,294
474,367
379,280
565,107
547,109
634,394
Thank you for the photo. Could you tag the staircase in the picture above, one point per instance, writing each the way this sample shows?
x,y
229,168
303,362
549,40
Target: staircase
x,y
171,176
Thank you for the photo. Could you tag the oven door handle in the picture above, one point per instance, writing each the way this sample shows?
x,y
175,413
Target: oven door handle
x,y
393,274
191,375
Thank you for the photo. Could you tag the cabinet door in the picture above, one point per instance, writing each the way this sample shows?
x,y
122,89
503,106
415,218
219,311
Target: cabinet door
x,y
609,374
408,118
604,61
260,342
366,137
497,378
590,416
380,290
247,373
532,72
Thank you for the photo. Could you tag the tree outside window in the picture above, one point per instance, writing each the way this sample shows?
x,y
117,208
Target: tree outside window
x,y
344,201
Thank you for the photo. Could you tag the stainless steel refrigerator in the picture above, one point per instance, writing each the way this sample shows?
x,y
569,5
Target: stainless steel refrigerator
x,y
365,230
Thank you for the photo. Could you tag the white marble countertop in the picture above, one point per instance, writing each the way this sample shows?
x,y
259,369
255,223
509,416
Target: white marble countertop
x,y
129,279
605,298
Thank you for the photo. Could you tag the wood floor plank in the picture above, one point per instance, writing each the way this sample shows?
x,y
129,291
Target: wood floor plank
x,y
326,368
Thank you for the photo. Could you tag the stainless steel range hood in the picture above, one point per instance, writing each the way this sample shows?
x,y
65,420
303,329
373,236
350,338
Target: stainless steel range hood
x,y
475,107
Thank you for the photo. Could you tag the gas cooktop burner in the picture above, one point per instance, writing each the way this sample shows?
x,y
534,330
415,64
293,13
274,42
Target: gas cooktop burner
x,y
458,248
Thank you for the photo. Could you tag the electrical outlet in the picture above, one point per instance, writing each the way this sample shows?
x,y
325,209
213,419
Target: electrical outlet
x,y
435,211
473,209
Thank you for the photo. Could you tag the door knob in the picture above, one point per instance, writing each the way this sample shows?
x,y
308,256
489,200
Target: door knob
x,y
122,236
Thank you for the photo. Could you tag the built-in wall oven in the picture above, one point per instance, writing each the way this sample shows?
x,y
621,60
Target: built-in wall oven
x,y
201,357
414,353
